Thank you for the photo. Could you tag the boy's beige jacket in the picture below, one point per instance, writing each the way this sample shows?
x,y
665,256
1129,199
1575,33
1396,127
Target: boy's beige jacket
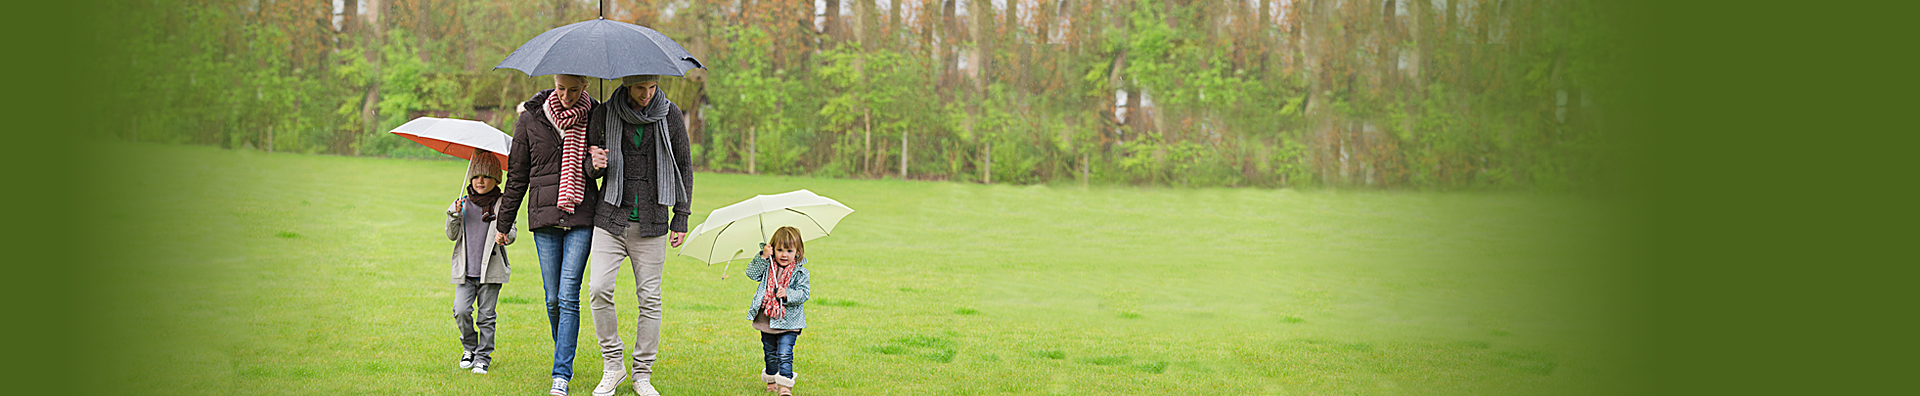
x,y
496,270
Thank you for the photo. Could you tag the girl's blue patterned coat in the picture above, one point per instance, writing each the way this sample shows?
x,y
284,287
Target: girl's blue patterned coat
x,y
797,293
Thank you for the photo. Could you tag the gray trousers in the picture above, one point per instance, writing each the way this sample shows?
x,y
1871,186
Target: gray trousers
x,y
476,336
649,257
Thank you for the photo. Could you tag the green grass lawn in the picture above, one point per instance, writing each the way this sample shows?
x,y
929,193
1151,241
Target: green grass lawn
x,y
255,273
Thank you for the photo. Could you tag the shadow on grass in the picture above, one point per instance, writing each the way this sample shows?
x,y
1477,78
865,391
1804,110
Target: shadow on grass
x,y
1050,354
1106,360
831,302
1428,358
1536,362
932,348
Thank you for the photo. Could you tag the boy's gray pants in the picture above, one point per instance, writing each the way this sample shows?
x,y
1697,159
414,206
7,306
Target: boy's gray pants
x,y
477,340
649,256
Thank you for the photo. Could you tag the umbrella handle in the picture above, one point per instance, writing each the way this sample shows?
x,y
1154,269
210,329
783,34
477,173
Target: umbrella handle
x,y
727,270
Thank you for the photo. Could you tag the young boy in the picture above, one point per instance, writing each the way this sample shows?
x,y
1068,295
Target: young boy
x,y
479,264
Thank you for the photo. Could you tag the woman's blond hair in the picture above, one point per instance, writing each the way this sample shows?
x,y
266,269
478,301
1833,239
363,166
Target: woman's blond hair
x,y
789,236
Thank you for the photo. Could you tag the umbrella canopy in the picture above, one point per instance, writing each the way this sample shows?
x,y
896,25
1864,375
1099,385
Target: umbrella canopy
x,y
601,48
457,137
736,231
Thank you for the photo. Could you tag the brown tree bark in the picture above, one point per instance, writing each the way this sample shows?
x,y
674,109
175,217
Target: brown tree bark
x,y
903,155
832,27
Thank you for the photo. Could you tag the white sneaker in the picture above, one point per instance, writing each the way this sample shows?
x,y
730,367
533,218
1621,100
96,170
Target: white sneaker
x,y
559,387
644,387
466,359
480,368
610,379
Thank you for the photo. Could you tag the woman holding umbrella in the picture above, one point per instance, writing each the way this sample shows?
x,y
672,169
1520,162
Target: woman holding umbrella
x,y
547,171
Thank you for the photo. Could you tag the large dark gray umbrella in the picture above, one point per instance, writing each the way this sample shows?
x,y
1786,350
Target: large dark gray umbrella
x,y
601,48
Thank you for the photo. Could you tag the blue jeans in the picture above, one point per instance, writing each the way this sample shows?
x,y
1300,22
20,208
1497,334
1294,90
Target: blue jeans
x,y
563,260
779,348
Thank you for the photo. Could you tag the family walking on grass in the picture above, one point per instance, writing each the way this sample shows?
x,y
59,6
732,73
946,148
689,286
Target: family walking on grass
x,y
603,184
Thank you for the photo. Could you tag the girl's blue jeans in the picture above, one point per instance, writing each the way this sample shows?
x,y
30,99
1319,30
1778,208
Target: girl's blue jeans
x,y
563,260
779,348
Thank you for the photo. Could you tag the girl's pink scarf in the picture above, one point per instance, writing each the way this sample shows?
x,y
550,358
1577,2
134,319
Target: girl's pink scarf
x,y
780,277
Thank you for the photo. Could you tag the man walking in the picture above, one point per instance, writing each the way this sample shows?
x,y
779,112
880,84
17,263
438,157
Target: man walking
x,y
641,157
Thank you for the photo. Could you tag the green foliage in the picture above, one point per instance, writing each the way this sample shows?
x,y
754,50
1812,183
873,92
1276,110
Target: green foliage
x,y
1326,94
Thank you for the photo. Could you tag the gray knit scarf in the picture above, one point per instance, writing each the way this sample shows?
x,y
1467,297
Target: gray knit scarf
x,y
621,118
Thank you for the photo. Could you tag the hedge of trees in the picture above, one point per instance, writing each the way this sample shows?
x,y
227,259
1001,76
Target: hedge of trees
x,y
1436,94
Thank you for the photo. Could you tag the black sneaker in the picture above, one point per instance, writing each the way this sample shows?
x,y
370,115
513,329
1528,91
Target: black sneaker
x,y
480,368
466,360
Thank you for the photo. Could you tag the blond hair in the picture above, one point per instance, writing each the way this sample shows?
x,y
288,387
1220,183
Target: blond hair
x,y
788,236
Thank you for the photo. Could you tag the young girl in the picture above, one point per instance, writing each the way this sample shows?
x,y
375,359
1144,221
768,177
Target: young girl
x,y
777,309
479,264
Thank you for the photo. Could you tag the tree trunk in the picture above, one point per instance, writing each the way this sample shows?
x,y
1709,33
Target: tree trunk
x,y
866,155
1011,41
753,150
374,8
893,23
370,106
1417,25
981,29
949,45
832,21
1266,31
986,175
1130,126
349,17
369,113
903,155
1086,168
1453,17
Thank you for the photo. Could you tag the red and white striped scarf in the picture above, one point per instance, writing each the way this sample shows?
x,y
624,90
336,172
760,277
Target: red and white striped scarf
x,y
572,123
778,278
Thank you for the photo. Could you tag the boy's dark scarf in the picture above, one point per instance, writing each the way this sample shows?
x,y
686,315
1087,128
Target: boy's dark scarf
x,y
484,201
620,119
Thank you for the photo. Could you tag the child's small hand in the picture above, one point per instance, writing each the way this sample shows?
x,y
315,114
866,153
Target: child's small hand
x,y
458,205
781,292
766,251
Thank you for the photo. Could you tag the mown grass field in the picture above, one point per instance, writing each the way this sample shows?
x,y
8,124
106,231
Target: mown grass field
x,y
252,273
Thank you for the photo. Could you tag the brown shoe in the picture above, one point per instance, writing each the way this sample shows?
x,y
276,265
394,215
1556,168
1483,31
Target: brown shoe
x,y
784,385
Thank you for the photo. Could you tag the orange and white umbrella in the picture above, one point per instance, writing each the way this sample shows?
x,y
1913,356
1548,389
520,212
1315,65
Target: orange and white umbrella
x,y
458,137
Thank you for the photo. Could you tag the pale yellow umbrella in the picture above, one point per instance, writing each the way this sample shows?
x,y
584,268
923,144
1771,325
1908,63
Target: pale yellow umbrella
x,y
736,231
